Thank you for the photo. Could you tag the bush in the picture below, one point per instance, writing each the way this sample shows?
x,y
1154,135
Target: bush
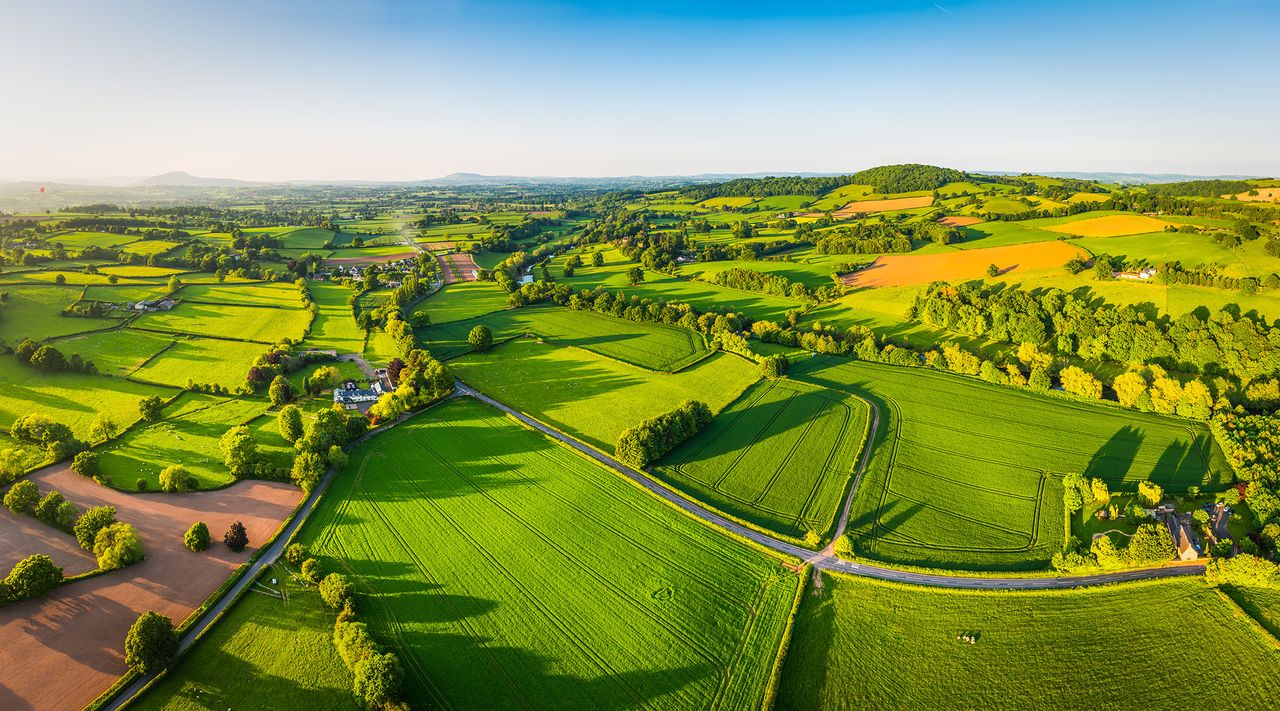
x,y
197,537
480,338
50,509
311,571
33,576
117,545
151,643
86,464
236,537
22,497
336,591
289,422
141,484
295,553
90,522
176,478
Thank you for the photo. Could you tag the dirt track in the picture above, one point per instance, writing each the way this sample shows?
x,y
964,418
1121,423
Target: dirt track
x,y
458,267
959,265
63,651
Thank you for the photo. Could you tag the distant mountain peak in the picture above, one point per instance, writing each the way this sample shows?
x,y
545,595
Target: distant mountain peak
x,y
181,178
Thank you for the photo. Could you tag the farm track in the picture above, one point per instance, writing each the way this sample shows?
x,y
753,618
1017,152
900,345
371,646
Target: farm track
x,y
825,559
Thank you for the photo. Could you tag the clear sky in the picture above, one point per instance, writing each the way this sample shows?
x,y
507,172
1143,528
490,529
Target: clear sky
x,y
404,90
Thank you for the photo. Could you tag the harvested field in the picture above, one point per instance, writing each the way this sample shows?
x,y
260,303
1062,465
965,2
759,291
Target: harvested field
x,y
862,207
372,258
959,220
1110,226
959,265
64,650
21,536
1263,195
458,267
439,246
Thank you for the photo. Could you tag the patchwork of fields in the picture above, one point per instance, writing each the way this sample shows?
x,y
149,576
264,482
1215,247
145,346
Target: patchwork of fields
x,y
522,598
780,457
968,475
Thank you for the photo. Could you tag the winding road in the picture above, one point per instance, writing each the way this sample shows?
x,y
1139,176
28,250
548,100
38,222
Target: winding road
x,y
826,558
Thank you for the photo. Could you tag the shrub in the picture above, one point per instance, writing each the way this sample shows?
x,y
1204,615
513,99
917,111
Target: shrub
x,y
117,545
480,338
295,553
49,508
150,408
151,643
311,571
176,478
336,591
1244,569
22,497
353,642
236,538
290,423
86,464
33,576
90,522
197,537
141,484
338,459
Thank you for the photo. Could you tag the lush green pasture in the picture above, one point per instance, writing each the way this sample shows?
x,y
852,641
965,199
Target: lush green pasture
x,y
595,398
510,572
995,234
841,196
333,328
264,653
307,238
967,475
150,246
464,300
251,323
36,312
189,438
140,271
649,345
78,240
202,360
810,274
124,293
73,399
780,457
261,294
661,287
117,352
860,643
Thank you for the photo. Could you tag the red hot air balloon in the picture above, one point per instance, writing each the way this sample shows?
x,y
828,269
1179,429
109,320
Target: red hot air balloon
x,y
41,188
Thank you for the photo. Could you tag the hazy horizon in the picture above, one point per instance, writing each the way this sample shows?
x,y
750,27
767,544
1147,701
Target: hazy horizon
x,y
382,91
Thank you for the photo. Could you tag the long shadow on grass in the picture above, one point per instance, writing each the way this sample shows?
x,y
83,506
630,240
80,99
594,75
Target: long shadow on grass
x,y
1179,466
1114,458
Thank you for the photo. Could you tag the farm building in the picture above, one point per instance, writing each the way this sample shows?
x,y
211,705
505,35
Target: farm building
x,y
351,397
1142,275
1184,540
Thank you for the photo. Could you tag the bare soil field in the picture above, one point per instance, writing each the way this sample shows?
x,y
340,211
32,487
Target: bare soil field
x,y
867,206
372,258
458,267
63,651
904,269
959,221
1110,226
439,246
21,536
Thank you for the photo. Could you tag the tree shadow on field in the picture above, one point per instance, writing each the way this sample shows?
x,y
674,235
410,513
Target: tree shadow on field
x,y
1178,467
886,519
1114,459
478,672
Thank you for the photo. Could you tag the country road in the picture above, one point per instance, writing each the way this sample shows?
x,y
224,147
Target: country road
x,y
825,559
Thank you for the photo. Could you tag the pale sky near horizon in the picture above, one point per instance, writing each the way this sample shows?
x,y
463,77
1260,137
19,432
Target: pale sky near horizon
x,y
401,90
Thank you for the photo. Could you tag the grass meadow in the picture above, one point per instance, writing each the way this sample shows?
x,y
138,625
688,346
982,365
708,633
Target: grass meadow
x,y
267,652
968,475
117,352
860,643
73,399
464,300
203,360
265,294
780,457
492,559
333,328
36,312
596,398
653,346
249,323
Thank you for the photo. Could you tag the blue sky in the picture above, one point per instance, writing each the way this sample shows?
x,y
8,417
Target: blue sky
x,y
401,90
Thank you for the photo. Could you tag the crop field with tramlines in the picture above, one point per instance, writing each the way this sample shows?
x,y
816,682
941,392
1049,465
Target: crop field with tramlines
x,y
491,559
654,346
780,457
861,643
591,397
465,300
968,475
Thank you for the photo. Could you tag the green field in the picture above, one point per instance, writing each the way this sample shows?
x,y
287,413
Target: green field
x,y
118,352
78,240
250,323
861,643
210,361
191,439
36,312
263,294
266,652
333,328
595,398
654,346
517,573
780,457
73,399
464,300
967,475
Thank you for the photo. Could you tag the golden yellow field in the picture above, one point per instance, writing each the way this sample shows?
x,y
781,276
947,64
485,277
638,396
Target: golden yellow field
x,y
960,220
1088,197
726,202
1264,195
962,264
1111,226
866,206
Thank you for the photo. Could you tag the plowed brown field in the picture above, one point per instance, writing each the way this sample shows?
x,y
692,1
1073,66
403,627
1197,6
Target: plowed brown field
x,y
458,267
960,220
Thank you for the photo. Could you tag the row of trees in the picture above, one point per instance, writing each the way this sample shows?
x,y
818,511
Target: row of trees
x,y
49,359
647,441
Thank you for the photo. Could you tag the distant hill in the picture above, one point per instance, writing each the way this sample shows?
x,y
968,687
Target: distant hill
x,y
180,178
1123,178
